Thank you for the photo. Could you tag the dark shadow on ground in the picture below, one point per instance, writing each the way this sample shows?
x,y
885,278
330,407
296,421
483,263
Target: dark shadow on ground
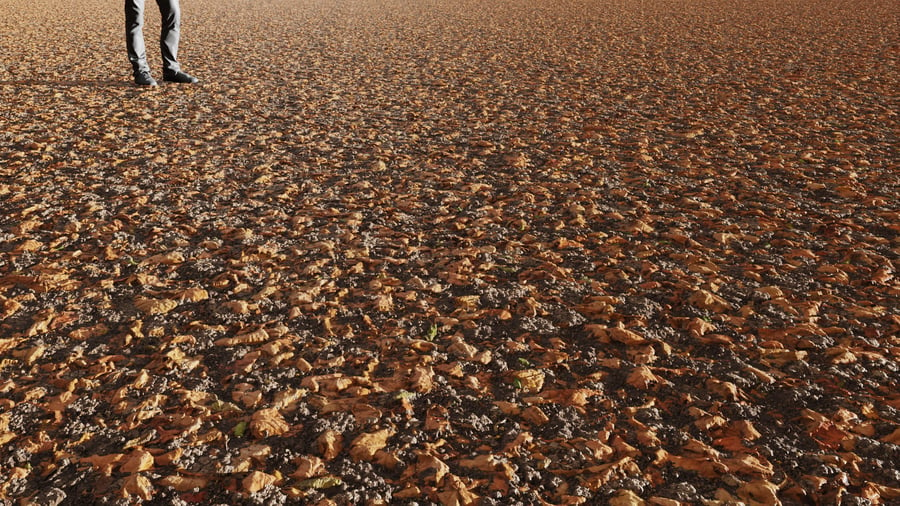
x,y
73,83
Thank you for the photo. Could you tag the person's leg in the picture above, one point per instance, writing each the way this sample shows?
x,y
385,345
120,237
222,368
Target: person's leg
x,y
170,12
134,37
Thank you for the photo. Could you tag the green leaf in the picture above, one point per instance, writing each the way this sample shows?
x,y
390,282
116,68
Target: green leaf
x,y
322,482
240,429
432,332
404,394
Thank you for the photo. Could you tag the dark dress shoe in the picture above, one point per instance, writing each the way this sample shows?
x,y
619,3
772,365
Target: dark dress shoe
x,y
143,78
179,77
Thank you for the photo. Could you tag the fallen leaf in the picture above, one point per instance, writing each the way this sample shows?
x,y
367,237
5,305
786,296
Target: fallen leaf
x,y
256,481
155,306
528,380
760,491
329,444
366,445
309,467
268,422
139,460
184,483
138,485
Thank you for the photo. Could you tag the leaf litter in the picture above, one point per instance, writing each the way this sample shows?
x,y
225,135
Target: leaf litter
x,y
453,253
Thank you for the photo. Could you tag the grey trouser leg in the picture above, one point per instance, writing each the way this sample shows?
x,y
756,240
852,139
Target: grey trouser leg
x,y
170,13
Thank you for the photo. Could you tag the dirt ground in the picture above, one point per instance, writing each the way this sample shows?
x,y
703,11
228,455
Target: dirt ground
x,y
453,252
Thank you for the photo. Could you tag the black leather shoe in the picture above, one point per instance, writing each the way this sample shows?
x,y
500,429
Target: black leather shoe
x,y
143,78
179,77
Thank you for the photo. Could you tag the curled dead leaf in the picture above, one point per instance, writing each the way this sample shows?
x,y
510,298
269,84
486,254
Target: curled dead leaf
x,y
760,491
618,334
330,444
535,416
422,379
625,497
458,492
195,294
528,380
171,258
256,481
253,337
139,460
104,463
642,377
268,422
705,299
366,445
155,306
309,466
139,485
184,483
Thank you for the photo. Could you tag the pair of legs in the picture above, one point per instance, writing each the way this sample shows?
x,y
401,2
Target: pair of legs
x,y
170,13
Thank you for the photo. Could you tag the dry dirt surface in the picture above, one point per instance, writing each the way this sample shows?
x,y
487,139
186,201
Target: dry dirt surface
x,y
453,252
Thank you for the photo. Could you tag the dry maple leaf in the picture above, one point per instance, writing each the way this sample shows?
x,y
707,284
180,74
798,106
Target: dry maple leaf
x,y
642,377
195,294
155,306
516,160
626,497
139,485
139,460
428,466
366,445
309,466
105,463
9,308
256,452
725,389
184,483
528,380
422,379
457,492
760,491
253,337
463,349
256,481
535,416
236,307
384,303
268,422
171,258
746,464
875,491
618,334
330,444
704,299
